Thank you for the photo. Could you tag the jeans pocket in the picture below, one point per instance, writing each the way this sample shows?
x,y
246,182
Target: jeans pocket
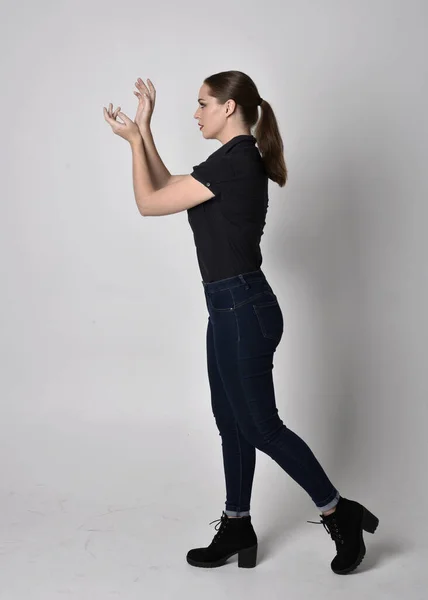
x,y
221,300
270,319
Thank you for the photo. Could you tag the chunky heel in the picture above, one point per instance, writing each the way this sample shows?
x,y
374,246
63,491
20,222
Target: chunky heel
x,y
370,522
247,558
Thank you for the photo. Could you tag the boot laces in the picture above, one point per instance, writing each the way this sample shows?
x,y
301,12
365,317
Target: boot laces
x,y
220,526
332,528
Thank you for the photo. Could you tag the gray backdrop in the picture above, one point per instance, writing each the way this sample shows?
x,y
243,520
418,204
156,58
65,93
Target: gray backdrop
x,y
111,463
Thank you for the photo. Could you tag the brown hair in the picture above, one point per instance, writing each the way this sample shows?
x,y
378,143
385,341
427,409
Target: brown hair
x,y
240,87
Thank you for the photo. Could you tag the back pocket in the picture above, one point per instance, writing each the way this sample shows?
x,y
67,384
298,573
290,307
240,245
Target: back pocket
x,y
269,316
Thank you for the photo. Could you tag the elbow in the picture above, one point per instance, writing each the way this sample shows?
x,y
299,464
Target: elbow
x,y
142,208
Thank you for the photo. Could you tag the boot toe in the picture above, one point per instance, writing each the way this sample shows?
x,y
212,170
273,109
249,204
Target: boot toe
x,y
204,557
345,563
235,536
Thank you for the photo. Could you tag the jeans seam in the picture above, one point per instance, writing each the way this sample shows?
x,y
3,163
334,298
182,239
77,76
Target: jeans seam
x,y
240,466
237,427
319,477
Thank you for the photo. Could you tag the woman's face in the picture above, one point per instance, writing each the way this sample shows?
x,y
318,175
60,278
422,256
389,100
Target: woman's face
x,y
210,114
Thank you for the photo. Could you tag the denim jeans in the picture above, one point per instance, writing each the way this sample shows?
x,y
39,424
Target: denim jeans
x,y
245,326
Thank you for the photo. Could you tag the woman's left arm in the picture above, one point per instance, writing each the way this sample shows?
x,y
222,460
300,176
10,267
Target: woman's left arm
x,y
130,132
141,179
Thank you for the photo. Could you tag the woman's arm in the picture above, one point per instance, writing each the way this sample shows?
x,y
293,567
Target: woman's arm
x,y
159,174
141,176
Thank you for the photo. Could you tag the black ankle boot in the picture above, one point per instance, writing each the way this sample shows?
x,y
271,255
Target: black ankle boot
x,y
345,526
233,536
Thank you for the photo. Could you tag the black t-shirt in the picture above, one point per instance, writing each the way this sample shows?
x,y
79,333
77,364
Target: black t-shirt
x,y
227,228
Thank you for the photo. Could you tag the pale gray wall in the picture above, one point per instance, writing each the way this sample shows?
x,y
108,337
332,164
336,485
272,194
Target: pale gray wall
x,y
105,397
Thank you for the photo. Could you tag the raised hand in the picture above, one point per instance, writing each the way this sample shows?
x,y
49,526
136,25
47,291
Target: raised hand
x,y
128,130
146,103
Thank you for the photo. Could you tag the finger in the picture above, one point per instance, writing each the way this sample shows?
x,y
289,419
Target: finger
x,y
116,126
116,112
124,117
142,85
107,116
139,96
152,91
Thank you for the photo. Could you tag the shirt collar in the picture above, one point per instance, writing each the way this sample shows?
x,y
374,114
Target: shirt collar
x,y
232,142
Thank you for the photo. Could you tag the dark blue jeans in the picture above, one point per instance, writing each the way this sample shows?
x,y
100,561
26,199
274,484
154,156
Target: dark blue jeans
x,y
245,326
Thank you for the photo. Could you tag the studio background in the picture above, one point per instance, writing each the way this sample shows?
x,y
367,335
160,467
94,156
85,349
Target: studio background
x,y
111,465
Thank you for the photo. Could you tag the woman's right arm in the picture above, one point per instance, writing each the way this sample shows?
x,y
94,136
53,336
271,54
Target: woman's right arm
x,y
160,175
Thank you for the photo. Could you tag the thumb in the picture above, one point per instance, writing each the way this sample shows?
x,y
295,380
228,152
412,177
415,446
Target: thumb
x,y
123,116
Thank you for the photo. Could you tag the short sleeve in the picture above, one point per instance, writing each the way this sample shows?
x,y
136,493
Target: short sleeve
x,y
214,173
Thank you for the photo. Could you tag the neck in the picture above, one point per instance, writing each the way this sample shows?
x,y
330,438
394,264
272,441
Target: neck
x,y
228,134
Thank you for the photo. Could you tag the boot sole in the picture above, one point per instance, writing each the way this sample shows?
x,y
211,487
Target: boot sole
x,y
247,558
369,523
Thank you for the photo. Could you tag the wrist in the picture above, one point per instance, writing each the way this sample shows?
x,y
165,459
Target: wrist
x,y
145,129
136,142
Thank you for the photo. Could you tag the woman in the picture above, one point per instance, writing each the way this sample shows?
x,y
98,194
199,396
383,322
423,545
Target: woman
x,y
226,198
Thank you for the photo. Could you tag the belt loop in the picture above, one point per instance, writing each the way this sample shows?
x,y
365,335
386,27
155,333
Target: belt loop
x,y
241,277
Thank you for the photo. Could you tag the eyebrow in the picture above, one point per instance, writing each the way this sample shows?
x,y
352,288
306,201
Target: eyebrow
x,y
201,100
